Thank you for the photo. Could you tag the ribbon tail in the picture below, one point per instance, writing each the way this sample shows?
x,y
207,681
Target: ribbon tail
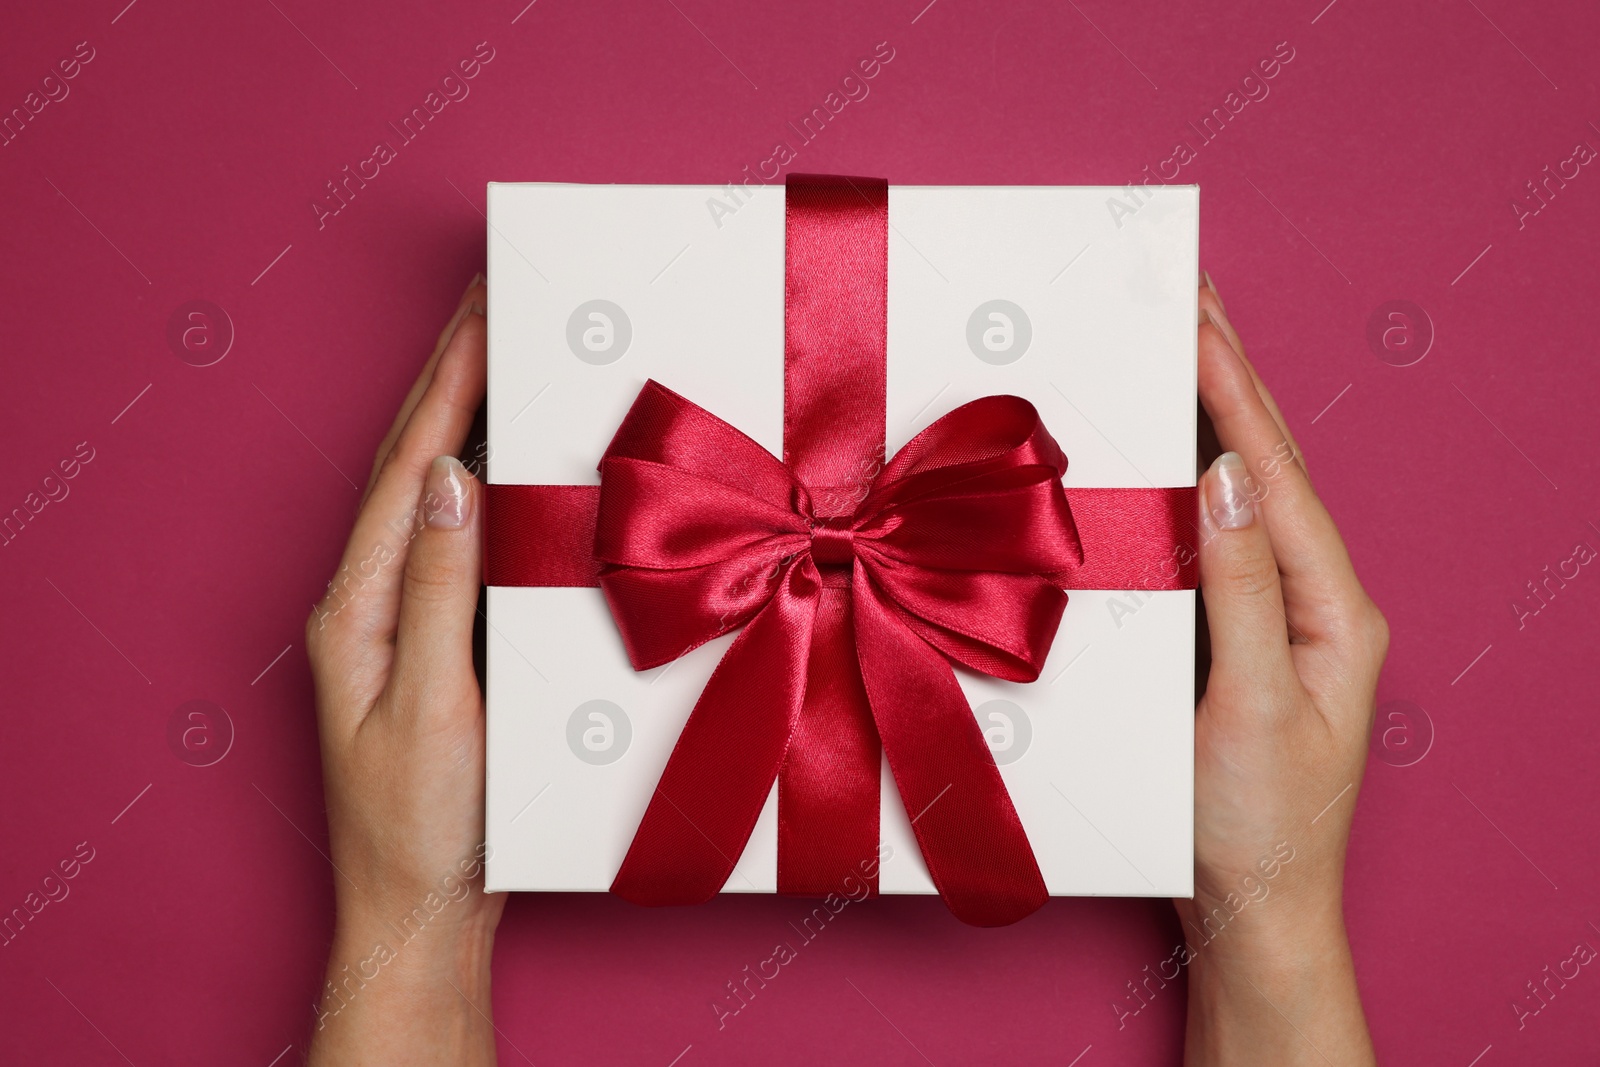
x,y
967,828
828,788
727,757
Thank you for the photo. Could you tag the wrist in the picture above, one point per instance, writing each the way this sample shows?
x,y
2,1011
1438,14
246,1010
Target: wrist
x,y
1279,931
1272,955
1275,987
433,939
397,992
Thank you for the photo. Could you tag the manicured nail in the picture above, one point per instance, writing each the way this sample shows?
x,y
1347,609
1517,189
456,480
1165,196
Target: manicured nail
x,y
476,307
1234,510
464,313
1212,286
1205,317
444,498
465,308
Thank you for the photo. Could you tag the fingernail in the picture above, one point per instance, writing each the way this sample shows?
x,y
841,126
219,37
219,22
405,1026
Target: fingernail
x,y
463,307
1212,286
1234,510
476,308
444,497
1205,317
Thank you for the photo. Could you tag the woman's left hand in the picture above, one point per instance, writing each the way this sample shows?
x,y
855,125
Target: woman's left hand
x,y
400,715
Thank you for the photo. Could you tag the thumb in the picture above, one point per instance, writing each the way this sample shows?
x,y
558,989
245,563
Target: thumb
x,y
439,598
1239,580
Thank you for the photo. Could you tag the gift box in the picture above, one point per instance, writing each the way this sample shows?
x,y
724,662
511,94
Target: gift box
x,y
674,301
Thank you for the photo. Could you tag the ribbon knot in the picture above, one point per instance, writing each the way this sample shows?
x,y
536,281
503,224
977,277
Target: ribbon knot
x,y
833,543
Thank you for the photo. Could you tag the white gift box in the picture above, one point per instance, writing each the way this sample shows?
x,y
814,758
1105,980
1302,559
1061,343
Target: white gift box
x,y
1081,299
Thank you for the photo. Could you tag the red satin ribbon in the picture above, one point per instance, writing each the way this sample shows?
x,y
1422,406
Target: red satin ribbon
x,y
543,535
856,585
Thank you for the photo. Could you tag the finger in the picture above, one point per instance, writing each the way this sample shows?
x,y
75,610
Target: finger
x,y
1321,594
1239,581
433,672
370,574
419,386
1211,303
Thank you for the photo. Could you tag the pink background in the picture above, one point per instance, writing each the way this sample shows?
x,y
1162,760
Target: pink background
x,y
1382,166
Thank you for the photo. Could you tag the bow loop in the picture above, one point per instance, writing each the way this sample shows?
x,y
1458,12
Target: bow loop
x,y
663,427
996,624
1014,521
991,433
696,522
667,518
978,490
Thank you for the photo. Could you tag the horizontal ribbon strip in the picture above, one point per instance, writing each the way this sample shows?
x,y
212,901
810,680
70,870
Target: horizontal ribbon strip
x,y
543,535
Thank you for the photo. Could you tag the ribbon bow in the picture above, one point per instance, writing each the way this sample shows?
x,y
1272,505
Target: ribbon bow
x,y
851,621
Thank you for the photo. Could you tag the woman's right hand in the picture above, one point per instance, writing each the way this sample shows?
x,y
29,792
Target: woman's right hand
x,y
1281,738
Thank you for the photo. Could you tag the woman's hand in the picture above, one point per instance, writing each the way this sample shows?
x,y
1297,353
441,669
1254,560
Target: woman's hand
x,y
1280,740
401,720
